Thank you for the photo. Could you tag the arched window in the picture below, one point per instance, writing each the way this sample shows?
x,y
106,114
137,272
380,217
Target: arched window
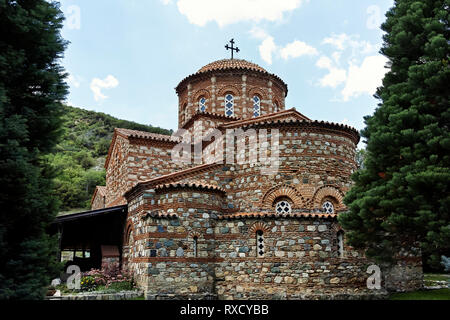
x,y
275,107
328,207
202,104
283,206
195,244
340,243
185,112
259,243
256,106
229,105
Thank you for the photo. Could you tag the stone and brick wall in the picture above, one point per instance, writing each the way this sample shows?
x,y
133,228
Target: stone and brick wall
x,y
300,257
162,253
99,198
243,85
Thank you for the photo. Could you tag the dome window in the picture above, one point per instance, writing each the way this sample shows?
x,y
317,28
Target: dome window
x,y
202,104
282,207
256,106
328,207
229,105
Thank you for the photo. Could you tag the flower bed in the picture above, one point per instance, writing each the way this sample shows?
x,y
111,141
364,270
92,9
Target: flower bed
x,y
95,283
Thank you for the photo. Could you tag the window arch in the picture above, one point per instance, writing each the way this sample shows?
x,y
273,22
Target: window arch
x,y
275,107
340,243
256,106
282,206
260,243
229,105
202,104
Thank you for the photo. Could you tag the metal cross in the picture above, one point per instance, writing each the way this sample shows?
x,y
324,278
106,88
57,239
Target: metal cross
x,y
232,48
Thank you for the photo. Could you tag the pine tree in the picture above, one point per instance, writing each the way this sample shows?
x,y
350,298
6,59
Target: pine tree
x,y
31,88
401,196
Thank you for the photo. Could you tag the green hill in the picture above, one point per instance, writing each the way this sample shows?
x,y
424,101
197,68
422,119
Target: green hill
x,y
81,153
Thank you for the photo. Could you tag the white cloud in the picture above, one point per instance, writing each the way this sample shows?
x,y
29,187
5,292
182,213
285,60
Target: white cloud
x,y
324,63
267,48
224,12
98,84
343,41
258,33
297,49
335,75
366,78
363,71
74,81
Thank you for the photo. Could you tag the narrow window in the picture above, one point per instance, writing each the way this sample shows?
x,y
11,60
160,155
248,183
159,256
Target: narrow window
x,y
202,104
256,106
328,207
185,111
195,246
340,243
260,243
229,105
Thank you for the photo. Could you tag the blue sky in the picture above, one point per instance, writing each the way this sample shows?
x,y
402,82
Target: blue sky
x,y
126,56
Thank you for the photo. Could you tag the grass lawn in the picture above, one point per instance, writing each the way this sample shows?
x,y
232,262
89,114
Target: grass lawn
x,y
436,277
438,294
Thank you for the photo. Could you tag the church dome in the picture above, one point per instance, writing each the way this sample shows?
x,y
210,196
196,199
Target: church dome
x,y
226,64
230,88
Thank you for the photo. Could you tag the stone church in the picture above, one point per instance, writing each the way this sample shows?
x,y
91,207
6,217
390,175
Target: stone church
x,y
210,228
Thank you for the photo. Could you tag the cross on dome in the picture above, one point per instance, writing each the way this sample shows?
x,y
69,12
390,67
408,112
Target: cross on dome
x,y
232,48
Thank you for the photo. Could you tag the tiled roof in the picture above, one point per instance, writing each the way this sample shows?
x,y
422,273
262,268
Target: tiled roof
x,y
174,176
240,215
213,115
247,215
350,131
146,135
231,64
194,184
266,117
128,133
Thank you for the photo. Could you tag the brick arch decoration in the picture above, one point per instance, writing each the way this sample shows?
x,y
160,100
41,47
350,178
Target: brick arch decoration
x,y
182,111
324,192
283,191
193,234
275,101
256,91
128,231
229,88
201,93
258,226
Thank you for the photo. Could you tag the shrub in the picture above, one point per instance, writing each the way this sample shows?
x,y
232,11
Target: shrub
x,y
112,279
